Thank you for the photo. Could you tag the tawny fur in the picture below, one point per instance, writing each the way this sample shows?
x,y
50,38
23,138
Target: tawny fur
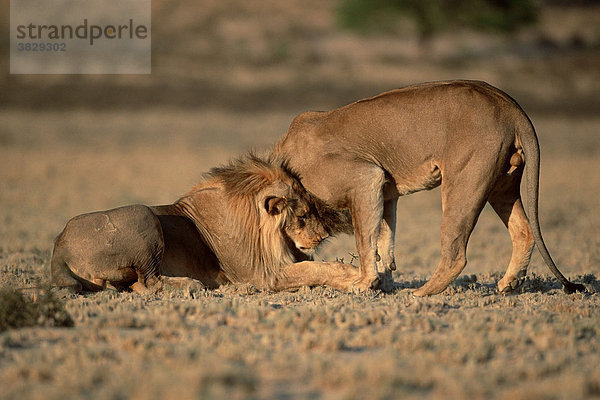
x,y
248,222
467,136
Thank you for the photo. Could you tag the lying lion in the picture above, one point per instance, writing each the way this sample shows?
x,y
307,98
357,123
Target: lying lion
x,y
248,222
468,136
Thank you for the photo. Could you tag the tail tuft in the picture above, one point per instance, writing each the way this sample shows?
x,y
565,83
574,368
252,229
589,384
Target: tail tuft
x,y
571,288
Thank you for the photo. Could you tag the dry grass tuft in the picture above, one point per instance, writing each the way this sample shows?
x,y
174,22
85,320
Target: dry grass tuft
x,y
19,311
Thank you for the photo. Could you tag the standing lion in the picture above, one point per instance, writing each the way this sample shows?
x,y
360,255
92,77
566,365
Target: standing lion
x,y
469,137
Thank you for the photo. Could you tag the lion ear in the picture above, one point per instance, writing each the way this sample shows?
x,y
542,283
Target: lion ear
x,y
275,205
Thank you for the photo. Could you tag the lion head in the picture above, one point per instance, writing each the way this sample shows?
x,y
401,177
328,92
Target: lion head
x,y
301,222
277,222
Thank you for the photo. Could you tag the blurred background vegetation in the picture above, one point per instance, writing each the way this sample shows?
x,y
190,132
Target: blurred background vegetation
x,y
434,16
302,54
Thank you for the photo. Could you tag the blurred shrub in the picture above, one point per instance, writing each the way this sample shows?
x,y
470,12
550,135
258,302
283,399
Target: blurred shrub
x,y
15,310
432,16
18,311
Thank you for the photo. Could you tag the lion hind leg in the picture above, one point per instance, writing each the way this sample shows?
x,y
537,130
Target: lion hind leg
x,y
65,276
62,276
506,201
459,216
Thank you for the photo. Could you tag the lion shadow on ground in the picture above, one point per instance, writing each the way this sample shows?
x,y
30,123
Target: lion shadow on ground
x,y
544,284
482,285
460,285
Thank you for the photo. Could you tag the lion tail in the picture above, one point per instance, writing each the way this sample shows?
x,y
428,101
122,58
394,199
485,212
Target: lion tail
x,y
531,150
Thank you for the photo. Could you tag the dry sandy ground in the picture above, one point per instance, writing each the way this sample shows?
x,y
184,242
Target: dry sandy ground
x,y
236,342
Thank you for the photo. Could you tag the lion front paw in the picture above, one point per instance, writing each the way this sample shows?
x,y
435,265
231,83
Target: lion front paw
x,y
365,283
